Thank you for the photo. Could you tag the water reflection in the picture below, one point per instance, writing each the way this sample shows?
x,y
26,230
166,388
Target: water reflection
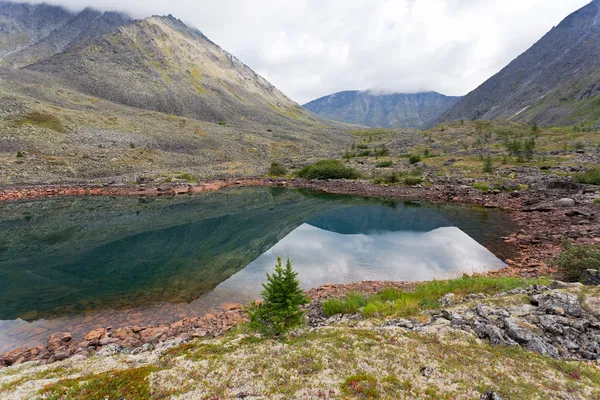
x,y
76,264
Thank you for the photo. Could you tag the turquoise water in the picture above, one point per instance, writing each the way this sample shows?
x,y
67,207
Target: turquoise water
x,y
73,264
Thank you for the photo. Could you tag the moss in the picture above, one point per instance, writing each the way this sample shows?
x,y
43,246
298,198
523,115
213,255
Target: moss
x,y
125,384
361,386
41,120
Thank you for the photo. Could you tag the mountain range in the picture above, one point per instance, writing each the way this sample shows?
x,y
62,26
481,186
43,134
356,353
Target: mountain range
x,y
97,95
555,82
383,110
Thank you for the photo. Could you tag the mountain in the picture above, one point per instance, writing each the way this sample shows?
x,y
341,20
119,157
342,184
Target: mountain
x,y
88,23
555,82
21,25
395,110
160,64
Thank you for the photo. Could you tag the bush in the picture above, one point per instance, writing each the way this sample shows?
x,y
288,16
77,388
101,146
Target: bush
x,y
222,123
383,152
277,169
488,165
327,169
282,298
591,177
132,145
20,154
415,158
413,180
577,258
364,153
385,164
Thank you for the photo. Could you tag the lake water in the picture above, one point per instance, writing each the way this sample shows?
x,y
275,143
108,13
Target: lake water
x,y
73,264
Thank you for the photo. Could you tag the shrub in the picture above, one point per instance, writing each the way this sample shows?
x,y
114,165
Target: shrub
x,y
488,165
579,145
577,258
222,123
362,386
364,153
591,177
413,180
415,158
277,169
327,169
20,154
383,152
385,164
348,155
282,298
427,152
42,120
132,145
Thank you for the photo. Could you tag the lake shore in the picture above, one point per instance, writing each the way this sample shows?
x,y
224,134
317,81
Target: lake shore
x,y
545,219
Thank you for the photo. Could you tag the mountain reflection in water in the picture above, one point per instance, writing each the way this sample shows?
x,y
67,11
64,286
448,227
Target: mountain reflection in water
x,y
78,263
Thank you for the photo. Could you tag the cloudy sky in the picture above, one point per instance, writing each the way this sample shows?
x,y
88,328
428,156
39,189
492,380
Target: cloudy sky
x,y
311,48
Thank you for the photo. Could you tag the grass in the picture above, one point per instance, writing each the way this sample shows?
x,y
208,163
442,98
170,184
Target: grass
x,y
591,177
577,258
125,384
41,120
327,169
425,296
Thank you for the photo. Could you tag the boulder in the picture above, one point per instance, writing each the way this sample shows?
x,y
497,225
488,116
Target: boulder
x,y
558,303
591,277
59,340
95,335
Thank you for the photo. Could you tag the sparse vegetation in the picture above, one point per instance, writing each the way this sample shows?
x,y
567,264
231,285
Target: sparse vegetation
x,y
425,296
361,386
488,165
41,120
126,384
414,158
20,154
591,177
277,169
327,169
576,258
282,298
385,164
222,123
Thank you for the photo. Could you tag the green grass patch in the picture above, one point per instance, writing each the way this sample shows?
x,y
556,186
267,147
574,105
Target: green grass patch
x,y
425,296
41,120
415,158
126,384
187,177
327,169
591,177
483,186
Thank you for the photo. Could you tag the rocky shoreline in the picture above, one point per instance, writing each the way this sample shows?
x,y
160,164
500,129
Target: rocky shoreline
x,y
547,217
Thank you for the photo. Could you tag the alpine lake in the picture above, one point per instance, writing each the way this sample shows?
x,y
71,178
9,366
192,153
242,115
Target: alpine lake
x,y
77,263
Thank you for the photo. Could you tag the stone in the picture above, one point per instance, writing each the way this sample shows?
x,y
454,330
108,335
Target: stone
x,y
108,340
566,202
427,371
110,350
558,303
61,355
591,277
153,334
515,329
448,299
58,340
552,323
490,395
122,333
95,335
539,346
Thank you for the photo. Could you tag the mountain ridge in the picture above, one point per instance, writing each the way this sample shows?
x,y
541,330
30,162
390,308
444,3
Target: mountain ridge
x,y
551,83
383,110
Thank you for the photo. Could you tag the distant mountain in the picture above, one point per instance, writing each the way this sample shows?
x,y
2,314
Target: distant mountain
x,y
394,110
160,64
555,82
61,30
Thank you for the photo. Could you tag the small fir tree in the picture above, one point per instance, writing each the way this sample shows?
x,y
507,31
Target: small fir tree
x,y
282,298
488,165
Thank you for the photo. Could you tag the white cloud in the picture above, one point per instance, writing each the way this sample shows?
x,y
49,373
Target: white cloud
x,y
311,48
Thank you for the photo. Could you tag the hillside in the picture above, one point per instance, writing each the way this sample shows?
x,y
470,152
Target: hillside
x,y
555,82
160,64
394,110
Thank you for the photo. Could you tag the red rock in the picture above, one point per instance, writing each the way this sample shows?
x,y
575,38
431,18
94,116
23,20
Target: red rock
x,y
130,342
122,333
95,335
152,334
58,340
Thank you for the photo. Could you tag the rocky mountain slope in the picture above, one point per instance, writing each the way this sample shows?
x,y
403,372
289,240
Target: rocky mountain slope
x,y
88,23
22,25
394,110
36,32
555,82
160,64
